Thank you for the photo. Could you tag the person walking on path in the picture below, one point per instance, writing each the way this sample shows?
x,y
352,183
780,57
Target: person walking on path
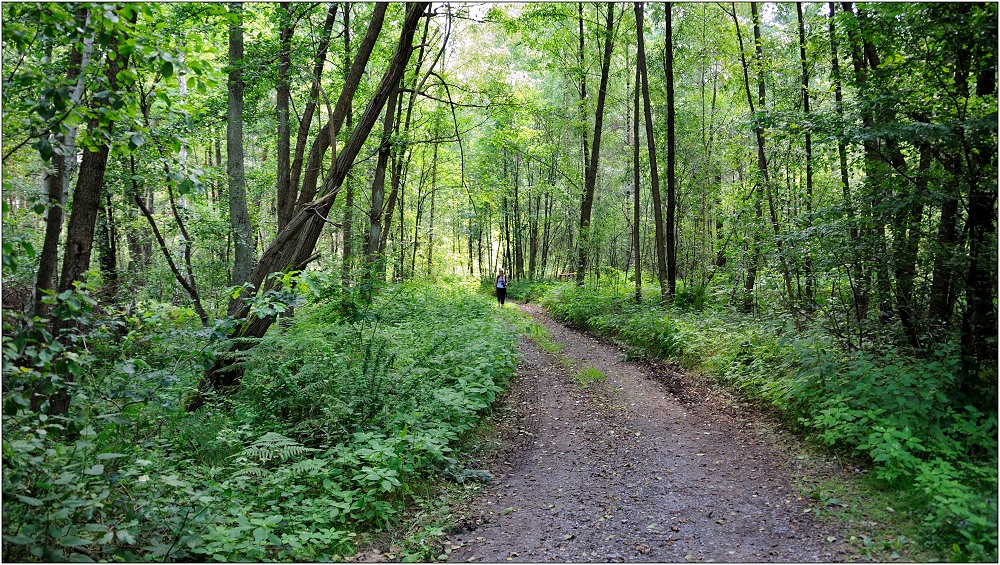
x,y
501,287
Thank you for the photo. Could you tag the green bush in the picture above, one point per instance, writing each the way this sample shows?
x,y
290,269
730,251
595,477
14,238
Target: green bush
x,y
383,399
344,415
645,326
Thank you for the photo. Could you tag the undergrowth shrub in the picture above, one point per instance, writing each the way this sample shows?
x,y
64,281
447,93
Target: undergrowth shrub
x,y
382,399
344,416
101,480
645,326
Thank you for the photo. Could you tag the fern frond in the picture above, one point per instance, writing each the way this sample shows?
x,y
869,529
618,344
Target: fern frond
x,y
251,471
275,446
308,467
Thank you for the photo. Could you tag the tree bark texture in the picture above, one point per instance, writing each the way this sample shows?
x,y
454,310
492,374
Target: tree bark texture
x,y
239,215
57,179
671,228
89,185
654,173
807,261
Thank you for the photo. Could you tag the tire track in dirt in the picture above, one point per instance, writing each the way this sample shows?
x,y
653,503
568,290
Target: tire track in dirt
x,y
624,471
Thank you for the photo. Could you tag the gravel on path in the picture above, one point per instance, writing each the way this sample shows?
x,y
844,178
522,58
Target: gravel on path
x,y
640,467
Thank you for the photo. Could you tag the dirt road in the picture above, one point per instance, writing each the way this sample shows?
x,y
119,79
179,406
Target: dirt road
x,y
644,466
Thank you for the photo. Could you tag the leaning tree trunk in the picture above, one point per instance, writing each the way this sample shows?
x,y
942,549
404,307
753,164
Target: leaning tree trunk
x,y
654,174
292,248
305,123
310,176
400,159
590,175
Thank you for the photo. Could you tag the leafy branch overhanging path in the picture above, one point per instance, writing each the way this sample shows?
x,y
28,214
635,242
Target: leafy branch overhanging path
x,y
637,468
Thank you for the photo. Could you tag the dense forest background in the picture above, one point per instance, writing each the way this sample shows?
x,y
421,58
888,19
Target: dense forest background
x,y
800,199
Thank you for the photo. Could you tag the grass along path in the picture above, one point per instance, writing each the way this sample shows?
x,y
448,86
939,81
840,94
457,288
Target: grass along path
x,y
607,460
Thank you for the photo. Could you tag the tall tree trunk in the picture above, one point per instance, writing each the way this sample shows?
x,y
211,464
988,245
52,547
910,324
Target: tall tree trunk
x,y
57,179
979,322
89,186
285,198
807,267
751,280
654,174
372,264
636,165
348,232
590,175
762,155
859,290
293,247
864,59
582,108
239,215
671,229
295,174
86,201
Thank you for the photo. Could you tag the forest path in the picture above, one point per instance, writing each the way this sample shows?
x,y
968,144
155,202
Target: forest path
x,y
646,466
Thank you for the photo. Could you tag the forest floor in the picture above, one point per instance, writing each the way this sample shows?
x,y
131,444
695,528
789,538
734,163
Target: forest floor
x,y
648,465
